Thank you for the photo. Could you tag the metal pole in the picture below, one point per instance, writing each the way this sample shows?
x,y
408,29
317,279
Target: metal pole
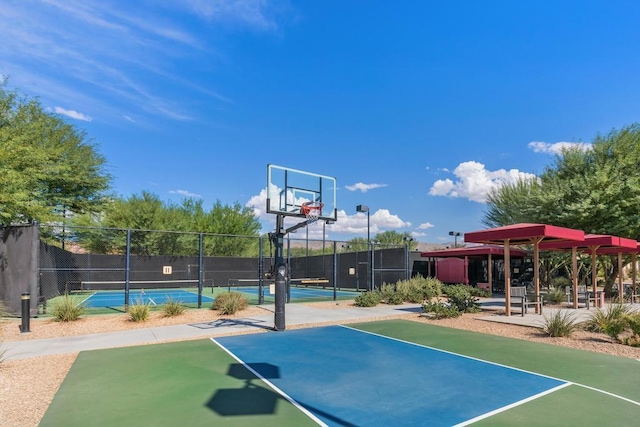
x,y
372,255
200,270
260,272
335,270
126,271
26,308
281,276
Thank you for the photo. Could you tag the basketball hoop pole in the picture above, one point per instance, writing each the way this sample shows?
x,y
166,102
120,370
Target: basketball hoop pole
x,y
281,269
281,274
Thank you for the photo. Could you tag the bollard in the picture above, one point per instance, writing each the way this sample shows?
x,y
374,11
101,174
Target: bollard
x,y
26,308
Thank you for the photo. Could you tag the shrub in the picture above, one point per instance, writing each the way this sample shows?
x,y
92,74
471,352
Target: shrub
x,y
173,308
440,310
633,321
139,311
560,282
561,324
395,299
556,295
230,303
460,296
66,309
609,321
419,289
481,293
368,299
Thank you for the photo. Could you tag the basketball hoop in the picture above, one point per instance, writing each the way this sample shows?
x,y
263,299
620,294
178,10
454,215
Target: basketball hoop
x,y
312,211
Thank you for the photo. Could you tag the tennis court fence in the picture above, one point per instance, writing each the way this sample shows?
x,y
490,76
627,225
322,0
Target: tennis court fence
x,y
89,259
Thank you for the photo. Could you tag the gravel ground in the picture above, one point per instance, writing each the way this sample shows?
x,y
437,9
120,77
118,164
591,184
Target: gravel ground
x,y
27,386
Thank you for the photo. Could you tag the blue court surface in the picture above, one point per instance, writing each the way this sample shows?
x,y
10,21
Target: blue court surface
x,y
136,296
346,377
297,293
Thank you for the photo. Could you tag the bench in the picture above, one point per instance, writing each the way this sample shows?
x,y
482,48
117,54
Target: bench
x,y
584,296
519,297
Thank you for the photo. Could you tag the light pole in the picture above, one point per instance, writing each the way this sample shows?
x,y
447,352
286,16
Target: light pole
x,y
407,245
455,235
365,208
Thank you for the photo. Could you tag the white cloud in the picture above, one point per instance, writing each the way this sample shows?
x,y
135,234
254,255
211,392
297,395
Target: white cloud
x,y
128,118
346,224
252,13
416,234
364,187
184,193
73,114
425,226
556,148
474,182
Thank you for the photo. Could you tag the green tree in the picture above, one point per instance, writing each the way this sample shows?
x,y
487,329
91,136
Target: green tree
x,y
48,169
393,238
172,229
597,190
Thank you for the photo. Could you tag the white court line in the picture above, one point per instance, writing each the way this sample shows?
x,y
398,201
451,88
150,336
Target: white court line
x,y
503,366
273,386
513,405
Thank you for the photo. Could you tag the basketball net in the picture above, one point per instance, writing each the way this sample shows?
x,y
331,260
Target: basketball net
x,y
312,211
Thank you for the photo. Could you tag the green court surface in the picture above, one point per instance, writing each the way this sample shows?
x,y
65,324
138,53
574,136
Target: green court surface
x,y
196,383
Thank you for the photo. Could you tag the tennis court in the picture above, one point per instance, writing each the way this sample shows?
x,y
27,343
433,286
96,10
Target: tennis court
x,y
296,293
379,373
140,296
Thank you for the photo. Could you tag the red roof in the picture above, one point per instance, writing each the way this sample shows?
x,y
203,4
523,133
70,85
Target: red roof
x,y
523,233
593,240
615,251
481,250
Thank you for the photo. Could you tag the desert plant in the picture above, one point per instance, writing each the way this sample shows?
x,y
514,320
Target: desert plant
x,y
66,310
460,296
608,320
139,311
633,321
230,303
560,282
419,289
173,308
368,299
556,295
560,324
481,293
440,310
394,299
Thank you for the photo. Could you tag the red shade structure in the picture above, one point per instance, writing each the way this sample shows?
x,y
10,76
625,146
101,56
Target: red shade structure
x,y
619,252
523,234
592,243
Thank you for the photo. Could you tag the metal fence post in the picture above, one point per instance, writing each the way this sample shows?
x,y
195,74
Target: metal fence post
x,y
127,271
335,270
200,270
260,271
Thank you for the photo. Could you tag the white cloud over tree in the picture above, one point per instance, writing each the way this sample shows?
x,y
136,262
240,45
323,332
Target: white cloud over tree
x,y
473,181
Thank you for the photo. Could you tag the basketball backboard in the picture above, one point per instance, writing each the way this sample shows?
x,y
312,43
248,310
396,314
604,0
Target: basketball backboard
x,y
288,189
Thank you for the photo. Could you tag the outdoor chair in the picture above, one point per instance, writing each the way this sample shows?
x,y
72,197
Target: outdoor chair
x,y
584,296
519,297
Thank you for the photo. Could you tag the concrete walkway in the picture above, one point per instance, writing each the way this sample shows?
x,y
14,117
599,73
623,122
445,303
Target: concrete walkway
x,y
296,314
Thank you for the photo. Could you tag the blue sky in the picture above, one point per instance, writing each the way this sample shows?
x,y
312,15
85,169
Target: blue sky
x,y
417,108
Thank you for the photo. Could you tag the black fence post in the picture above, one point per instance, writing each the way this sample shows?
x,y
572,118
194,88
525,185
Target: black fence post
x,y
26,308
261,271
127,270
335,270
200,270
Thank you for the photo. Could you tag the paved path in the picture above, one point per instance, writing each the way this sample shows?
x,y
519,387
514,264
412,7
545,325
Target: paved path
x,y
296,314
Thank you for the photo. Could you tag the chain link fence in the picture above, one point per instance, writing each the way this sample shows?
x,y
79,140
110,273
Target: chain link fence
x,y
88,260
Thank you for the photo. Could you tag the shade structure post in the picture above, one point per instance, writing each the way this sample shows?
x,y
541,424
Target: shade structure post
x,y
574,275
507,278
536,271
633,277
594,275
490,272
620,285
